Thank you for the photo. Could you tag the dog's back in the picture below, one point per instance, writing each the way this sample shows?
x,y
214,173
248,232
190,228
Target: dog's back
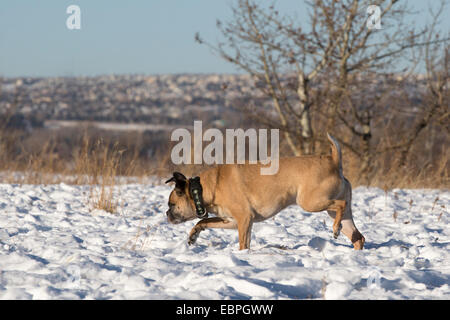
x,y
266,195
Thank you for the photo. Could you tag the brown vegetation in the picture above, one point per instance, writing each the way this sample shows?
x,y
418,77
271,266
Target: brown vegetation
x,y
104,161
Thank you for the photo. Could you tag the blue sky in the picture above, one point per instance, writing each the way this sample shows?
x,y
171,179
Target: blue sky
x,y
117,36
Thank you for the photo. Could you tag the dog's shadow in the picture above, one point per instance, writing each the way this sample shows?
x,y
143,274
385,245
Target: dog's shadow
x,y
201,247
290,291
389,243
316,243
276,246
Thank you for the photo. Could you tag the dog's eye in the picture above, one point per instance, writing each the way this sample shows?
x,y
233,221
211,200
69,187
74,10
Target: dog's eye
x,y
171,205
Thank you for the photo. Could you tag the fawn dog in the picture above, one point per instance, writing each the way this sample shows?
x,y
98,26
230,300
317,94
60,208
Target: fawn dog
x,y
238,195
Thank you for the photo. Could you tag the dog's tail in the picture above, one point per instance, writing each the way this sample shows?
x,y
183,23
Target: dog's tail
x,y
336,155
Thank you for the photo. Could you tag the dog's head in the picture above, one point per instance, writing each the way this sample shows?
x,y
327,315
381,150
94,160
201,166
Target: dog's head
x,y
181,204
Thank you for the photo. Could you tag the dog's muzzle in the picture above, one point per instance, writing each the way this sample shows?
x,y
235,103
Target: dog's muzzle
x,y
172,218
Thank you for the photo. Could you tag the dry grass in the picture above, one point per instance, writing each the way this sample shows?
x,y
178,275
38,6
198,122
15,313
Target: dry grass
x,y
99,164
94,163
102,162
389,175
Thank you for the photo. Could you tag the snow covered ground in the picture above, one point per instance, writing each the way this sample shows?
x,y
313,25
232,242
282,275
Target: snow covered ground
x,y
52,246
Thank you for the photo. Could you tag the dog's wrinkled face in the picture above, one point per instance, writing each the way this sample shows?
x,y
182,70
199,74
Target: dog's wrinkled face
x,y
181,207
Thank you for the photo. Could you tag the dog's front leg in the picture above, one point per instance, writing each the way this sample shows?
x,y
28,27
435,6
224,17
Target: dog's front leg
x,y
245,231
209,223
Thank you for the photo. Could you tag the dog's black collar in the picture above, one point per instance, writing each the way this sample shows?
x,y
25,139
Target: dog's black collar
x,y
196,192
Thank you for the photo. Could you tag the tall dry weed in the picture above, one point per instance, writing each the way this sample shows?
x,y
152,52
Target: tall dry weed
x,y
97,165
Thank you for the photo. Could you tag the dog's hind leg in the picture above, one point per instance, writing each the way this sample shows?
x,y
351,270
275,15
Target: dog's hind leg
x,y
349,229
348,226
338,207
209,223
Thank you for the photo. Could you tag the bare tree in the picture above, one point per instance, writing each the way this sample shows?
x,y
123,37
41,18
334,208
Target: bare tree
x,y
436,58
299,66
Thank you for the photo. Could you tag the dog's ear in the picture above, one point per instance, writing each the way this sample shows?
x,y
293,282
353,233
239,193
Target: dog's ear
x,y
180,181
177,177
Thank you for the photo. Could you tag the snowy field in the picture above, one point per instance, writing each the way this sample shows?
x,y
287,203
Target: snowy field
x,y
52,246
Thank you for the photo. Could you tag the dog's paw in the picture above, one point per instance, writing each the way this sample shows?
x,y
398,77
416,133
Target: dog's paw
x,y
337,231
193,237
